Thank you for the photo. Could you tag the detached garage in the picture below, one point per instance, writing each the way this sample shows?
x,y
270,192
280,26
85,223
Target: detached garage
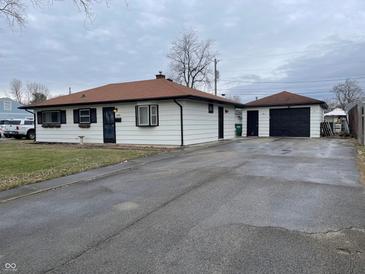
x,y
284,114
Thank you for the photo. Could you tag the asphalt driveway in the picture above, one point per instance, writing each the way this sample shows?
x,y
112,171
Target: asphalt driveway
x,y
250,206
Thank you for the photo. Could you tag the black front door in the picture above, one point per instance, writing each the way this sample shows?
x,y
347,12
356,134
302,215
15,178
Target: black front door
x,y
253,123
220,122
109,125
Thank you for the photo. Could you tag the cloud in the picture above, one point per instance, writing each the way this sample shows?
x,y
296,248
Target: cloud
x,y
99,34
258,41
151,20
312,74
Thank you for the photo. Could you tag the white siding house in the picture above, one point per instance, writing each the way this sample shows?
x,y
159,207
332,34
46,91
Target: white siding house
x,y
178,120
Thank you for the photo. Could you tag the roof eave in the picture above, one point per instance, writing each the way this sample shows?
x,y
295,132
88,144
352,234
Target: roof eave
x,y
134,100
323,104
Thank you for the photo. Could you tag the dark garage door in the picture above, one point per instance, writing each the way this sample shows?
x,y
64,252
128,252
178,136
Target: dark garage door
x,y
291,122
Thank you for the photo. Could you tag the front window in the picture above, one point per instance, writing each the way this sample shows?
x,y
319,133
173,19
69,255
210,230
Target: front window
x,y
143,116
51,117
84,116
147,115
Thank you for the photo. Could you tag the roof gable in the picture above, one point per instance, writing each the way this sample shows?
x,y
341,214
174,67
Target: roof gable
x,y
284,98
132,91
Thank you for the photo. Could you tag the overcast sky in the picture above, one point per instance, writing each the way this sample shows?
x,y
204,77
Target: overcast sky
x,y
264,46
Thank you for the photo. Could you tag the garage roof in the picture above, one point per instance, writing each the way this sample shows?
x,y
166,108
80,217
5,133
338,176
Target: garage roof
x,y
133,91
285,98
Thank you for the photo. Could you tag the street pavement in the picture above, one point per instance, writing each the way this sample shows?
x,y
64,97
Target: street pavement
x,y
270,205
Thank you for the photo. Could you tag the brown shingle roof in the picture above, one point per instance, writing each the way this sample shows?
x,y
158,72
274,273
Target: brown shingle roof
x,y
132,91
284,98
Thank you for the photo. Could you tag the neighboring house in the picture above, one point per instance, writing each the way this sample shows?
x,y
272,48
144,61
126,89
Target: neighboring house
x,y
9,110
336,118
283,114
150,112
355,113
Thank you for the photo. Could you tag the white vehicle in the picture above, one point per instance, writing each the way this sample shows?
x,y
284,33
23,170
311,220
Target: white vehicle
x,y
20,128
3,123
9,128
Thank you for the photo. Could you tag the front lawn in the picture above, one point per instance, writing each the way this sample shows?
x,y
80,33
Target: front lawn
x,y
23,162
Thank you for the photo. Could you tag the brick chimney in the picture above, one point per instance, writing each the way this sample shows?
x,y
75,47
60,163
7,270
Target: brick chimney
x,y
160,75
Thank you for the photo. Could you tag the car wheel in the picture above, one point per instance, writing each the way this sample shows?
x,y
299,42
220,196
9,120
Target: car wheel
x,y
6,136
31,134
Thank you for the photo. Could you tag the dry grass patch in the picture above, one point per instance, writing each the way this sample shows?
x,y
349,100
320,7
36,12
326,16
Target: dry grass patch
x,y
23,162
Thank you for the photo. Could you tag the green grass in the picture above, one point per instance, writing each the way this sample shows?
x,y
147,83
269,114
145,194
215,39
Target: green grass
x,y
23,162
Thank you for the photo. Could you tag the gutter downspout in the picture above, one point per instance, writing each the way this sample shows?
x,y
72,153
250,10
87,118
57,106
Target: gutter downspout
x,y
181,122
34,121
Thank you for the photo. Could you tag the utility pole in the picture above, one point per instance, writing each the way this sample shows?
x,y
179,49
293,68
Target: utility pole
x,y
215,76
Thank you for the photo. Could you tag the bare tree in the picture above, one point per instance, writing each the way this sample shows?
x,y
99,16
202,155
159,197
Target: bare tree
x,y
331,103
37,92
15,10
191,60
16,90
347,92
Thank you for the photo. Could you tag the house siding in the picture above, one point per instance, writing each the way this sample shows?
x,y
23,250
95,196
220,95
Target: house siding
x,y
167,133
199,125
316,117
70,132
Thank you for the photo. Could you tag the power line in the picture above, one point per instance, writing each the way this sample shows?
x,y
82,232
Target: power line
x,y
296,82
328,49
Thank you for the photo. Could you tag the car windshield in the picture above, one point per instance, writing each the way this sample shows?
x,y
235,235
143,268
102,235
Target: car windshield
x,y
4,122
14,122
28,122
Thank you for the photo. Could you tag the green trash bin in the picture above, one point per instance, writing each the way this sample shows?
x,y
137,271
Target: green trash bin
x,y
238,129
